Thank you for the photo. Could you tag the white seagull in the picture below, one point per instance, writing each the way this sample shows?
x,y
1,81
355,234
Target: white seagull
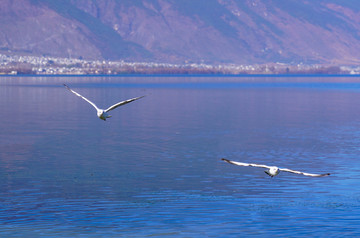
x,y
273,170
101,113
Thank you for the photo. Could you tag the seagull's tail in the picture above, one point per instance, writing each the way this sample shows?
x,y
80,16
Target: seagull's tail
x,y
267,172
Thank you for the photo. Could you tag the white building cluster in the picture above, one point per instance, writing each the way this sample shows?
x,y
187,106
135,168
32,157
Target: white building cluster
x,y
68,66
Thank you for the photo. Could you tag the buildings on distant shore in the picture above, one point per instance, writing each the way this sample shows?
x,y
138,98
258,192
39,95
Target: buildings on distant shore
x,y
13,65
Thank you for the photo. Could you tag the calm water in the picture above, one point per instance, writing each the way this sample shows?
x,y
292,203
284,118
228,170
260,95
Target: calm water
x,y
154,168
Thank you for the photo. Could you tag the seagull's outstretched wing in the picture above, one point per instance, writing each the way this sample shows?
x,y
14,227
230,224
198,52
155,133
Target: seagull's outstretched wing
x,y
302,173
122,103
93,104
246,164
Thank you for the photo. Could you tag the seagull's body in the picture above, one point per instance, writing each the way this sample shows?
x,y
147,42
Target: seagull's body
x,y
273,170
103,113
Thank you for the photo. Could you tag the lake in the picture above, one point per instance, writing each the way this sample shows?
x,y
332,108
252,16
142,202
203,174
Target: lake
x,y
154,168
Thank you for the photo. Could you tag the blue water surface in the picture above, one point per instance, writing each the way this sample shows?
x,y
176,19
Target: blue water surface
x,y
154,168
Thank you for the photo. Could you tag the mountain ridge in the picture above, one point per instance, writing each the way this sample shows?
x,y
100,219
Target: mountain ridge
x,y
211,31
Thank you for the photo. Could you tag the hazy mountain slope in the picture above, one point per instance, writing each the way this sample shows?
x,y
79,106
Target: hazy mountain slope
x,y
57,28
211,31
164,30
26,28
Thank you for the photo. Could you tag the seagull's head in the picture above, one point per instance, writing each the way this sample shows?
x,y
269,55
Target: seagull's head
x,y
273,171
102,114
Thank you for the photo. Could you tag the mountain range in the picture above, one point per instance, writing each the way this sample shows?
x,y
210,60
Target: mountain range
x,y
184,31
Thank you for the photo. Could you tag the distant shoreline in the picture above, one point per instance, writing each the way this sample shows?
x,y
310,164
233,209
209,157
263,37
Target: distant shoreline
x,y
184,75
68,67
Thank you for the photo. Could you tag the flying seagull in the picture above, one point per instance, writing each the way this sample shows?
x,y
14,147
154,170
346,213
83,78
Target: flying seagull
x,y
101,113
273,170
